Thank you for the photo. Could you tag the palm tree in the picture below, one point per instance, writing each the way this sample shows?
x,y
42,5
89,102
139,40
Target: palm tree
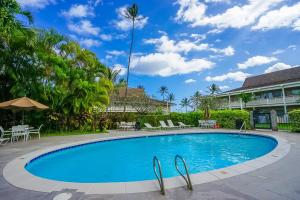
x,y
185,102
170,99
8,22
163,91
112,74
131,13
196,100
214,88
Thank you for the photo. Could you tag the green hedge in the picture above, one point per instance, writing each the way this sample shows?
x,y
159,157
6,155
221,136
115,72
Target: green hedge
x,y
226,118
294,117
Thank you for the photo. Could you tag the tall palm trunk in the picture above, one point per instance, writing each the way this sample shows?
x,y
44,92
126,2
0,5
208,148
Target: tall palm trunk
x,y
129,60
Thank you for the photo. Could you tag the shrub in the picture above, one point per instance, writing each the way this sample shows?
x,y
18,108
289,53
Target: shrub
x,y
226,118
294,117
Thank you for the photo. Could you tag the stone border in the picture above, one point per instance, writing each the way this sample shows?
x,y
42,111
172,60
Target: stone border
x,y
15,173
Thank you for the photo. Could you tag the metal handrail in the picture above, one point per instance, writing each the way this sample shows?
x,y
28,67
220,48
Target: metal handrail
x,y
160,177
243,125
187,178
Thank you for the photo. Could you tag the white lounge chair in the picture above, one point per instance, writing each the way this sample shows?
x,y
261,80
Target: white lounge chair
x,y
36,131
164,125
3,133
183,125
171,125
150,127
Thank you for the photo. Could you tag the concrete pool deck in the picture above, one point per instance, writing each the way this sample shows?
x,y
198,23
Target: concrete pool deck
x,y
279,180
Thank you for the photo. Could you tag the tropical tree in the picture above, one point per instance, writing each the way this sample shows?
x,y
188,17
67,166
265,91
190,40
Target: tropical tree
x,y
170,99
163,90
131,13
8,21
112,74
196,100
50,68
185,103
214,89
246,97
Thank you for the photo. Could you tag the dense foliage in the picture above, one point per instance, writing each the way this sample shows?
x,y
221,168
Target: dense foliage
x,y
225,118
50,68
294,117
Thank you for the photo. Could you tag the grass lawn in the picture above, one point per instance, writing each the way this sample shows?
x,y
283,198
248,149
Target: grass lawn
x,y
281,126
67,133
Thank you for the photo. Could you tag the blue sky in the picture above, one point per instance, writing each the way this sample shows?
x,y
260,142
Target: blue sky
x,y
185,45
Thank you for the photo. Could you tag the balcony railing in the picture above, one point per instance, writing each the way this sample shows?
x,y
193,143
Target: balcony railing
x,y
265,102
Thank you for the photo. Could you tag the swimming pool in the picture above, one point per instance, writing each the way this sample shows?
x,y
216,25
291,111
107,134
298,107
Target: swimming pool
x,y
126,160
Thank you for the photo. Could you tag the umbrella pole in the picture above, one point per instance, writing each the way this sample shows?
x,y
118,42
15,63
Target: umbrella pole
x,y
23,118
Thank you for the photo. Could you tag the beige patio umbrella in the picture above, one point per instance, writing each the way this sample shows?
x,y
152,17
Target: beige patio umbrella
x,y
23,103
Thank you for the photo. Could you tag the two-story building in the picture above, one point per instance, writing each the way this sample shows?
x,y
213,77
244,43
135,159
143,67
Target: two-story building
x,y
279,90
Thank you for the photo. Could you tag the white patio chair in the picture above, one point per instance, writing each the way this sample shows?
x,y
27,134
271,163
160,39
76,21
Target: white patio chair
x,y
123,125
3,134
204,123
36,131
19,131
212,123
171,125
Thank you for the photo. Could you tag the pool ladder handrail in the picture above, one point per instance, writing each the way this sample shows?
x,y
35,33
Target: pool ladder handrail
x,y
243,125
160,177
187,178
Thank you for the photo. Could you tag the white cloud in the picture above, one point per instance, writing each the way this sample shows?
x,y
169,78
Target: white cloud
x,y
84,27
166,45
94,2
188,81
120,67
278,51
116,52
217,1
198,37
194,12
293,47
235,76
125,24
36,3
277,66
228,51
256,60
79,11
214,31
168,64
286,16
190,11
105,37
88,42
224,87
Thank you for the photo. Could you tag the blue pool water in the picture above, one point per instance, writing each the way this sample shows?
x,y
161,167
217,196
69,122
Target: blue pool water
x,y
126,160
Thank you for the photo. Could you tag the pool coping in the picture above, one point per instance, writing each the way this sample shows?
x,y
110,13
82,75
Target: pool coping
x,y
15,173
